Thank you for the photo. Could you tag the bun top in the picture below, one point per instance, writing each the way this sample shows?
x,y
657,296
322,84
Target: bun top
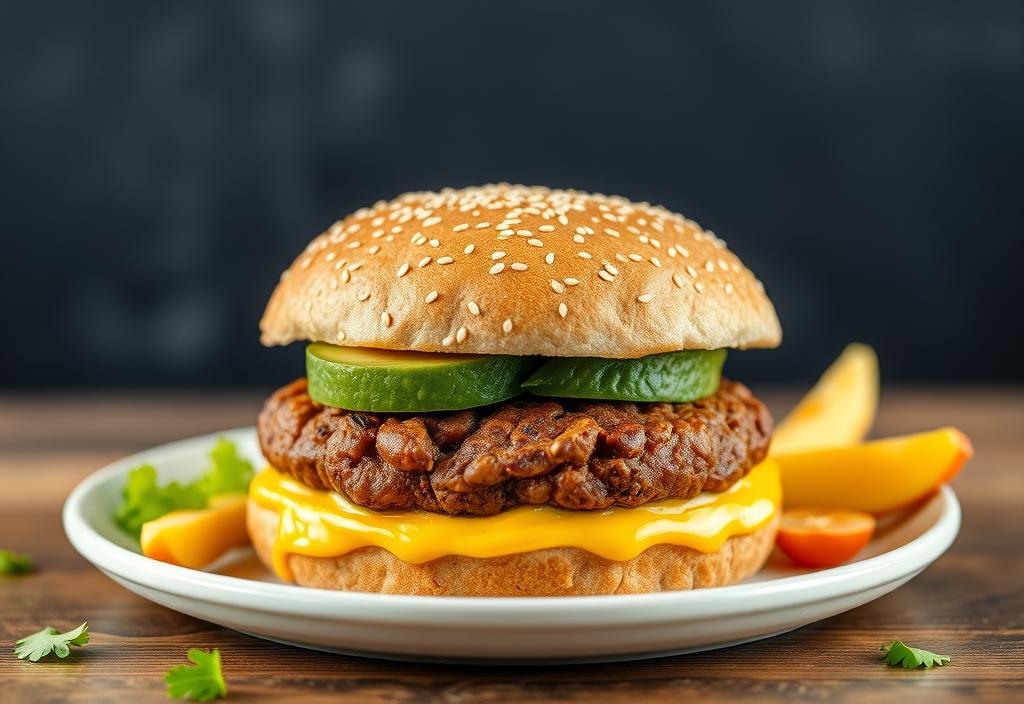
x,y
504,269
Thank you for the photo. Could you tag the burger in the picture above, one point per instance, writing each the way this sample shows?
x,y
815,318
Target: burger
x,y
515,390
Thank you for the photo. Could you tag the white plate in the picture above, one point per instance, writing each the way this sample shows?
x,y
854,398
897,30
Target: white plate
x,y
240,594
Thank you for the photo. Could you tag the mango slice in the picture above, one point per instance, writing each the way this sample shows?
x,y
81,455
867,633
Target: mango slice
x,y
876,476
196,537
838,411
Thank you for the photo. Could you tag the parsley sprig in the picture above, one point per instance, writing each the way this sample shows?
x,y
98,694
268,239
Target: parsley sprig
x,y
50,640
201,681
144,500
899,654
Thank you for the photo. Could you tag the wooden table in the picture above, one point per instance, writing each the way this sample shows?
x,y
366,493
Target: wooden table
x,y
970,604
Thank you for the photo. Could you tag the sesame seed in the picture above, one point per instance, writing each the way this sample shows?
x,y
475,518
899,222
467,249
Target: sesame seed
x,y
723,265
460,336
569,281
709,265
584,255
419,240
341,334
423,262
563,220
385,318
519,266
691,271
364,295
444,260
655,261
699,286
469,249
431,221
330,256
611,269
482,225
435,243
578,239
605,275
497,255
671,251
374,249
473,308
353,244
430,297
728,289
636,257
460,227
507,233
354,266
339,264
507,326
677,280
448,341
610,231
563,310
557,286
524,233
549,258
497,268
535,243
345,276
655,243
377,234
546,228
403,270
645,298
581,230
645,239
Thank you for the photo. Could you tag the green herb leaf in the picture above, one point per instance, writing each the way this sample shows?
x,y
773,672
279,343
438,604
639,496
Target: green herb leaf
x,y
201,681
899,654
14,563
144,500
49,640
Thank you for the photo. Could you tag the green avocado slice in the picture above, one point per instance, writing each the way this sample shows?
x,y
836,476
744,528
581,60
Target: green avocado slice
x,y
392,381
673,377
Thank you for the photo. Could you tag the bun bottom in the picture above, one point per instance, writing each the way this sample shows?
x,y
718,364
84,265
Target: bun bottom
x,y
551,572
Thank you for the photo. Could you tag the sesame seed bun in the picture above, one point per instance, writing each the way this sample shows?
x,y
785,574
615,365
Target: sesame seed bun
x,y
551,572
519,270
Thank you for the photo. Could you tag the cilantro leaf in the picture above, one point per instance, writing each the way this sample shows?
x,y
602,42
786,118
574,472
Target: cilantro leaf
x,y
899,653
201,681
228,473
49,640
144,500
14,563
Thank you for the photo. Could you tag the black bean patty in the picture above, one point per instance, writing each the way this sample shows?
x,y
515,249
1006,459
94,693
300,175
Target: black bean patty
x,y
571,454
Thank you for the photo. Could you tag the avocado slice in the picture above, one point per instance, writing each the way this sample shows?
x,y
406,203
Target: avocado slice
x,y
393,381
673,376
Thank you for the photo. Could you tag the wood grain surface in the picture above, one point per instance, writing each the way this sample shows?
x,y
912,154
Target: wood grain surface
x,y
970,604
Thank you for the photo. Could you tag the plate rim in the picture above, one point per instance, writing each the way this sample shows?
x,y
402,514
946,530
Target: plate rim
x,y
508,612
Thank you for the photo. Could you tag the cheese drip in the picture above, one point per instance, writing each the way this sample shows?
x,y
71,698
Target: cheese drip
x,y
325,524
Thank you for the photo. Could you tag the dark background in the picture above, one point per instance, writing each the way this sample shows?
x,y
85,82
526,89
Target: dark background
x,y
161,163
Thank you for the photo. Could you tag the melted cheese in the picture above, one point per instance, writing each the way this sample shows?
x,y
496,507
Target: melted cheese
x,y
325,524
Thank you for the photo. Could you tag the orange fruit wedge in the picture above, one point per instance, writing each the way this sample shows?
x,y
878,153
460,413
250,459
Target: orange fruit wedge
x,y
838,411
196,537
876,476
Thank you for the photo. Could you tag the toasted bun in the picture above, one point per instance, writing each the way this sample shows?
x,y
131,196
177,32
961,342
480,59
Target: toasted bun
x,y
520,270
553,572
